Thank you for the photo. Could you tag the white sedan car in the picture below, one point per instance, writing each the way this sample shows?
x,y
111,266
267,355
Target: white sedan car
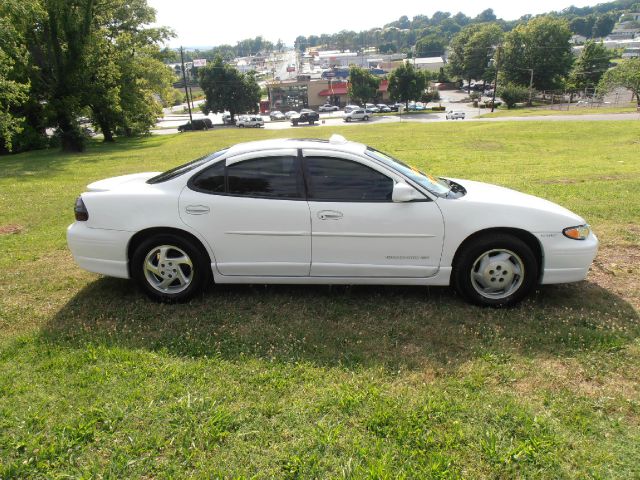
x,y
306,211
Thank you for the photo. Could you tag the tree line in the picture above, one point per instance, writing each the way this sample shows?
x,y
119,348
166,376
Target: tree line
x,y
534,56
425,36
62,60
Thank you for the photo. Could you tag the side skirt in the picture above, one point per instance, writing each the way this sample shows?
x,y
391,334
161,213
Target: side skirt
x,y
441,278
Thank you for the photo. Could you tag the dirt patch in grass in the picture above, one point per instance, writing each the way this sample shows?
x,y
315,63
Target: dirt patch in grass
x,y
11,229
617,269
569,181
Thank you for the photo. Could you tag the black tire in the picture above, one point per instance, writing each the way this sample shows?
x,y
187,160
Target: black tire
x,y
348,119
198,273
508,262
365,118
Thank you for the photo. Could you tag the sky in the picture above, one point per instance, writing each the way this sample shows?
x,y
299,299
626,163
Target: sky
x,y
199,23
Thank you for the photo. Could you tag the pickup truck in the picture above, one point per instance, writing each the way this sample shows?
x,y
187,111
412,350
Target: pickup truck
x,y
305,116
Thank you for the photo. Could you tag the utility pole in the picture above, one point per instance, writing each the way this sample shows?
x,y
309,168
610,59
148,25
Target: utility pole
x,y
186,89
531,87
495,82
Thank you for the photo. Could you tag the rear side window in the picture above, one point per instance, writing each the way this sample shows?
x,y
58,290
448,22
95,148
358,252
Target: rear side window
x,y
182,169
339,180
210,180
271,177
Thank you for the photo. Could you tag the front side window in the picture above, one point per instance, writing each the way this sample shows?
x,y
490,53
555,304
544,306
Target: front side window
x,y
339,180
272,177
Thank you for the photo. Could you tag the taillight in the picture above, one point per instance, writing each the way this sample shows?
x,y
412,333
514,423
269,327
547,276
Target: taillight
x,y
82,215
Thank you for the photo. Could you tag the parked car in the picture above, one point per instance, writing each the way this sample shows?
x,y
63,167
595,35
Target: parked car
x,y
383,108
255,121
371,107
349,108
396,106
197,124
327,107
249,214
289,114
359,114
305,116
227,120
455,115
276,115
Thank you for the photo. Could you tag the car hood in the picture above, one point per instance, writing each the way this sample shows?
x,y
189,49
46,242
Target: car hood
x,y
496,198
123,181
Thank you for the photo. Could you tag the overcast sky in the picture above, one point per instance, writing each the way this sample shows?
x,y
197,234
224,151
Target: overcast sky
x,y
211,22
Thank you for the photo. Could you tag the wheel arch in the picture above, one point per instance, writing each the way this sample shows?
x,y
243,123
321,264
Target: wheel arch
x,y
142,235
527,237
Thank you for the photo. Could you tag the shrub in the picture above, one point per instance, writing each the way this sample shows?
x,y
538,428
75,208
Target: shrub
x,y
513,93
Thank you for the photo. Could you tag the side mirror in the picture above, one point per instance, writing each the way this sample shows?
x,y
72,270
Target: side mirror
x,y
405,193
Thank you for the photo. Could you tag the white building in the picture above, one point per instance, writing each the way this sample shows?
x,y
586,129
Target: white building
x,y
433,64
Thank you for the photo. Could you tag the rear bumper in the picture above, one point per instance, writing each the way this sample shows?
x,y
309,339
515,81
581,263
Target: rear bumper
x,y
567,260
98,250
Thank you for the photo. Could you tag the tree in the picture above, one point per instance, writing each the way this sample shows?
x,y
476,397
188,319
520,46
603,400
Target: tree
x,y
486,16
13,93
472,49
406,83
363,85
226,88
542,45
512,93
625,75
590,66
604,25
430,46
81,54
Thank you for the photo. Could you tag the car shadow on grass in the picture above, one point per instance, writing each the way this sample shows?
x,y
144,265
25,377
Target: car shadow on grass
x,y
346,326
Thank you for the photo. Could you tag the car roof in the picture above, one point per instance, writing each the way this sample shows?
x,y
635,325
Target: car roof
x,y
337,143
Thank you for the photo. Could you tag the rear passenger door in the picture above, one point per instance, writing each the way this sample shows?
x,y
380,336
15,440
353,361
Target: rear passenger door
x,y
252,210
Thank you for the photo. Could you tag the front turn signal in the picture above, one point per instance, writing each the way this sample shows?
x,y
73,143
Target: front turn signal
x,y
581,232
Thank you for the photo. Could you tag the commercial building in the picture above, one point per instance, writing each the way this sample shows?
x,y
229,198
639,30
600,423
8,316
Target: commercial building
x,y
294,95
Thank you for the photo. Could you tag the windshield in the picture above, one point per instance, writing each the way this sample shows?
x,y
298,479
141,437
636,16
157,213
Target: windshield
x,y
435,185
177,171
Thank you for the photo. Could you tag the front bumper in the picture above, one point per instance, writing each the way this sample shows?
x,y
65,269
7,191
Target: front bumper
x,y
567,260
99,250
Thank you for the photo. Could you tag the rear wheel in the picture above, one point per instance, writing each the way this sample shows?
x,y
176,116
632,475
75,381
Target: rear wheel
x,y
496,270
365,118
170,268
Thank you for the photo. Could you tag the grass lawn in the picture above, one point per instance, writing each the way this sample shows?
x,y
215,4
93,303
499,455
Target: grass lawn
x,y
325,382
533,112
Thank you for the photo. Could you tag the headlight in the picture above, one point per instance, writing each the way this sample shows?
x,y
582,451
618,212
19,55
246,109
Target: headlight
x,y
581,232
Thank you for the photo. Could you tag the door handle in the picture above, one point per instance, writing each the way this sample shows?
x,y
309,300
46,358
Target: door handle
x,y
197,209
329,215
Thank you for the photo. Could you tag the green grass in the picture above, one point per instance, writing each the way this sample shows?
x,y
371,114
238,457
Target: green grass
x,y
325,382
574,110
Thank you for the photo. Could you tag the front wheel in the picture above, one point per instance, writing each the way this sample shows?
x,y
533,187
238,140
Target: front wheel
x,y
170,268
496,270
366,118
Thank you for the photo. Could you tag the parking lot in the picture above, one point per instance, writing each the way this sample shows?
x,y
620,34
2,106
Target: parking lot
x,y
449,100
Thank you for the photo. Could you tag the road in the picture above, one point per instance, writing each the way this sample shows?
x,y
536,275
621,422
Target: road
x,y
451,100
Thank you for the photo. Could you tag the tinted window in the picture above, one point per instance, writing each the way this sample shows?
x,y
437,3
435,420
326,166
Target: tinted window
x,y
176,172
210,180
332,179
274,177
